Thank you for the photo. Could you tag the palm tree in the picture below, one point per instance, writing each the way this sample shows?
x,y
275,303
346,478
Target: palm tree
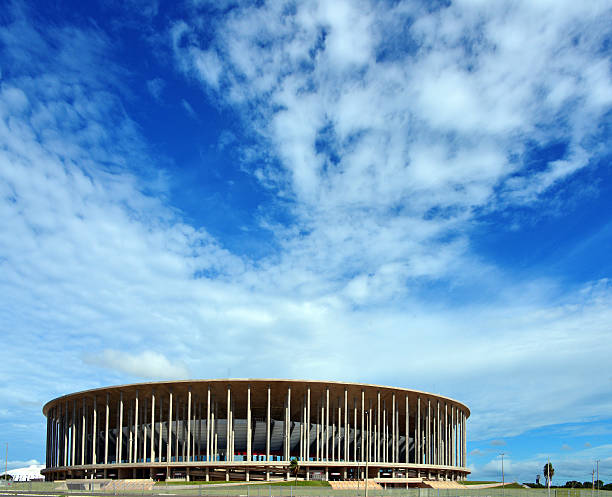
x,y
294,466
549,471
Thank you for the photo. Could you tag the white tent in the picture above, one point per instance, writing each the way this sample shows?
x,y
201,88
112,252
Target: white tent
x,y
28,473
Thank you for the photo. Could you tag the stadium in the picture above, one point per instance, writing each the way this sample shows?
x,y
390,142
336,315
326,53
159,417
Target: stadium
x,y
251,429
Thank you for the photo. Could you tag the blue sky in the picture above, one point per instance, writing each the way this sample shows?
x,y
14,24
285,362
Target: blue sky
x,y
407,193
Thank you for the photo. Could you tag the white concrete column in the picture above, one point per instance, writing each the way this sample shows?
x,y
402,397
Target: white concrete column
x,y
333,436
57,427
189,444
136,427
144,431
308,430
249,435
461,438
378,459
214,446
326,439
73,433
169,441
53,424
354,429
393,428
458,436
318,435
445,433
302,430
362,426
56,437
152,454
369,424
268,433
60,436
453,440
407,431
301,443
48,449
464,440
83,430
52,448
418,429
106,416
346,429
65,455
48,461
120,452
288,424
438,439
322,443
160,426
199,422
228,423
397,431
429,444
232,430
268,428
338,457
94,435
208,426
385,442
131,433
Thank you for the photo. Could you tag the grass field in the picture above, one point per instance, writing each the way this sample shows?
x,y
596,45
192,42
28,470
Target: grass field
x,y
289,483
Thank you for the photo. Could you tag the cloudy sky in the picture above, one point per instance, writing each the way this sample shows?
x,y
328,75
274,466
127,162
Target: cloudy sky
x,y
407,193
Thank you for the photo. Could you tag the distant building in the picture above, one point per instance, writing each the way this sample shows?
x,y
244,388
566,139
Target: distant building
x,y
251,429
29,473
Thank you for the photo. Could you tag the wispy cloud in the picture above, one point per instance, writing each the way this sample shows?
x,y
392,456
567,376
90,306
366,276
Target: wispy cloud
x,y
155,87
382,134
142,364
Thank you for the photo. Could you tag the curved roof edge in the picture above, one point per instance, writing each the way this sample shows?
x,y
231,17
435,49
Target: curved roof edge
x,y
258,380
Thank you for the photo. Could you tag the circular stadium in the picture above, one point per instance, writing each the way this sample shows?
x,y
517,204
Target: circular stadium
x,y
252,429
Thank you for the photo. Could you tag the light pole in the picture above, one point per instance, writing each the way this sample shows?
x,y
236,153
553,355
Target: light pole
x,y
597,477
549,468
503,480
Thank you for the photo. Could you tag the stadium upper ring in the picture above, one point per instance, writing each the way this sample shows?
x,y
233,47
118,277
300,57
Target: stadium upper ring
x,y
250,429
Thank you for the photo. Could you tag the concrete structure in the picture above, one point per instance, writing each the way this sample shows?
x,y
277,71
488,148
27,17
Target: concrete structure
x,y
251,429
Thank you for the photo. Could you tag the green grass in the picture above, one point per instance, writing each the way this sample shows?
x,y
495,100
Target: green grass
x,y
290,483
299,483
168,483
507,485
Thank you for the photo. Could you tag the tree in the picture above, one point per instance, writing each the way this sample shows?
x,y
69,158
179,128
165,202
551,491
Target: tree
x,y
294,467
549,471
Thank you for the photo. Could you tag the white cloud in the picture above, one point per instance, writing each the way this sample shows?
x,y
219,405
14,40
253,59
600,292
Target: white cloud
x,y
576,465
143,364
384,158
155,87
208,66
188,108
434,126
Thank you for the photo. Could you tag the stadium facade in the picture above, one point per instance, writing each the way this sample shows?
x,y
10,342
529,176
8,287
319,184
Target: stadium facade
x,y
250,429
